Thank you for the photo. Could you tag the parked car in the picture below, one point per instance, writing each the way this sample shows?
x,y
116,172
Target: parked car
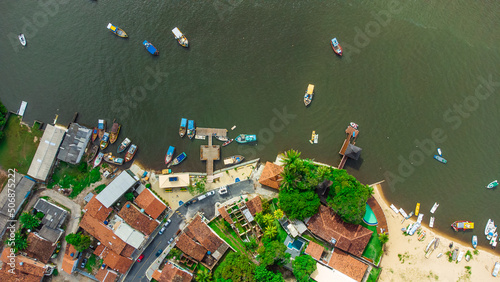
x,y
171,240
167,223
84,262
202,197
140,258
223,190
162,230
211,193
159,252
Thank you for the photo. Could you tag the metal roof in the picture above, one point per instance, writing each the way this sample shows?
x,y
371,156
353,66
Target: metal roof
x,y
74,144
116,188
46,153
54,215
353,152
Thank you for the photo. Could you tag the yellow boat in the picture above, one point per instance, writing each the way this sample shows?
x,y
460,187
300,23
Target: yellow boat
x,y
417,209
309,95
118,31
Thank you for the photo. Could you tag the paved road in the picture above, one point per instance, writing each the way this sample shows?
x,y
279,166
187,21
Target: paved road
x,y
207,206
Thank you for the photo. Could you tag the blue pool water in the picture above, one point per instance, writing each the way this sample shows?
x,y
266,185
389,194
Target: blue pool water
x,y
369,217
297,244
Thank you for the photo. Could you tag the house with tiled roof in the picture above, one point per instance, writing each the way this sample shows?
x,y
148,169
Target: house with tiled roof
x,y
151,204
225,215
117,262
96,209
101,232
70,259
271,175
137,220
25,270
348,265
314,250
39,248
106,275
172,273
190,247
254,205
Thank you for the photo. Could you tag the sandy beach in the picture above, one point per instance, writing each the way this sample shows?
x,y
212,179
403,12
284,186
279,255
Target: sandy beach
x,y
404,257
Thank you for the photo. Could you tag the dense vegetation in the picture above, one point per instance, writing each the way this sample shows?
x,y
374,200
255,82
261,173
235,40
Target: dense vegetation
x,y
303,267
3,113
79,241
236,267
76,177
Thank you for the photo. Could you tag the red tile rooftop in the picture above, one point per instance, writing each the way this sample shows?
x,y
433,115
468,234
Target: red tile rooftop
x,y
314,250
348,265
97,210
150,203
271,175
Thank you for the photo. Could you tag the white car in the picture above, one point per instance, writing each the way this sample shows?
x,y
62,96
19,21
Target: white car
x,y
223,190
211,193
167,223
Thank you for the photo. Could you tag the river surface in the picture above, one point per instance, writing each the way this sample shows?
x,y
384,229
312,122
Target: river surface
x,y
415,75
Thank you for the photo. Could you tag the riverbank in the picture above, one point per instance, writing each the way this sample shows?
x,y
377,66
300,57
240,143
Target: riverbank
x,y
404,255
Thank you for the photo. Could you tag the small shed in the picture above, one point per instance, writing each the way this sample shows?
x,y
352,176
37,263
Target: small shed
x,y
353,152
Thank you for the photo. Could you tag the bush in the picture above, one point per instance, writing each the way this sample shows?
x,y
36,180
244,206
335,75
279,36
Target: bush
x,y
40,215
129,196
99,188
55,272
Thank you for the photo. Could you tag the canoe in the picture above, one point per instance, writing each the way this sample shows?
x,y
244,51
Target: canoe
x,y
429,252
22,39
181,38
191,130
336,46
94,134
460,256
227,142
417,209
422,236
98,159
179,159
493,184
430,245
104,141
182,128
131,153
462,225
393,207
115,130
169,155
116,30
123,145
434,207
440,159
112,159
439,152
309,95
101,128
151,49
454,255
246,138
474,241
93,153
431,222
436,243
233,160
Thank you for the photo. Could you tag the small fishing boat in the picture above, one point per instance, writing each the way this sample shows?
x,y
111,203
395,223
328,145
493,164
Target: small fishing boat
x,y
115,130
169,155
227,142
104,141
233,160
182,128
221,138
314,138
422,236
467,258
131,153
474,241
354,125
490,227
101,128
493,184
166,171
439,152
22,39
436,243
410,215
93,153
98,159
123,145
112,159
440,159
232,128
309,95
429,252
336,47
460,256
246,138
116,30
417,209
151,49
94,134
434,207
191,130
393,207
178,159
462,225
420,217
181,38
454,254
430,245
494,238
403,213
431,222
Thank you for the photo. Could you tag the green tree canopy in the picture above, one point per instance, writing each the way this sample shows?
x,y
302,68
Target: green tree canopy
x,y
278,214
79,241
236,267
272,252
264,275
129,196
299,204
303,266
203,275
383,238
20,242
271,232
29,221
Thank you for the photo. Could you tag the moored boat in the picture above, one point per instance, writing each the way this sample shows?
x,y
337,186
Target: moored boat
x,y
116,30
462,225
490,227
336,46
182,128
22,39
440,159
191,130
246,138
93,153
151,49
98,159
221,138
94,134
169,155
439,152
494,238
354,125
181,38
474,241
131,153
233,160
493,184
431,222
115,130
417,209
309,95
112,159
179,159
104,141
123,145
101,128
227,142
420,217
434,207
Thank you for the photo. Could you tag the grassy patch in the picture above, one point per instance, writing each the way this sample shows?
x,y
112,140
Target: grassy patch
x,y
18,148
373,250
76,177
374,273
281,232
223,235
91,263
319,242
99,188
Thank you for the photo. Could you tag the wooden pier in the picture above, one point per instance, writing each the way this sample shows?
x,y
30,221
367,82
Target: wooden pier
x,y
220,132
351,135
210,152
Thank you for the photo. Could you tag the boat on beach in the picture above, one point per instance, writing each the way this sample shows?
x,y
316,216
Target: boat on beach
x,y
434,207
440,159
181,38
94,134
178,159
98,159
393,207
417,209
492,184
112,159
118,31
430,245
460,256
131,153
123,145
429,252
115,130
454,254
191,130
462,225
436,243
439,152
22,39
182,128
233,160
104,141
422,235
169,155
151,49
246,138
227,142
336,46
101,128
474,241
431,222
309,95
93,153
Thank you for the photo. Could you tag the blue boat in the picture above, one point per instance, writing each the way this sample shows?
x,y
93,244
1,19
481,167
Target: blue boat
x,y
182,129
191,130
246,138
179,159
104,141
170,154
440,159
151,49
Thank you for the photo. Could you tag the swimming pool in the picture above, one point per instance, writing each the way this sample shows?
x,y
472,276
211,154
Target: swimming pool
x,y
297,244
369,217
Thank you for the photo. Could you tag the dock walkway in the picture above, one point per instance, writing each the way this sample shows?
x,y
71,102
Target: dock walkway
x,y
352,134
210,152
202,131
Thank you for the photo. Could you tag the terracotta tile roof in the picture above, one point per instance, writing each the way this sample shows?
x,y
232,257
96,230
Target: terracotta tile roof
x,y
225,215
106,275
348,265
29,270
97,210
190,248
136,219
254,205
69,261
271,175
102,233
99,251
127,251
117,262
314,250
39,248
204,235
18,276
351,238
156,275
150,203
171,273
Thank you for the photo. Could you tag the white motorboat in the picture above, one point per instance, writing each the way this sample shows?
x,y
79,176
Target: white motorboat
x,y
434,207
431,222
22,39
489,227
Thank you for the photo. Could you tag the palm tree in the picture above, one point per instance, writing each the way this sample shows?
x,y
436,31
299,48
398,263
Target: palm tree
x,y
29,221
203,275
271,232
383,238
290,156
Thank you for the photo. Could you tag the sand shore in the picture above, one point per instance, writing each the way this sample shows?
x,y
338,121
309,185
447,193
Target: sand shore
x,y
404,258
